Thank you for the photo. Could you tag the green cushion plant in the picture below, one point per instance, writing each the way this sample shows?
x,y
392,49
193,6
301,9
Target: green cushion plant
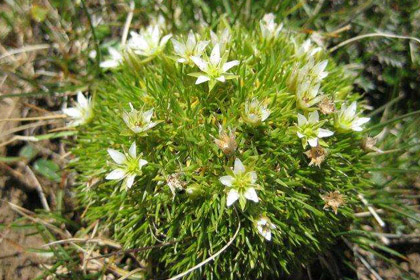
x,y
235,152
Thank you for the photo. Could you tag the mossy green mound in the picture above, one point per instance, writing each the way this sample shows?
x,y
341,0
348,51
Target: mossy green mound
x,y
263,154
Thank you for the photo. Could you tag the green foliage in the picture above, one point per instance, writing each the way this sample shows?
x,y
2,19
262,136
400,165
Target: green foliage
x,y
193,218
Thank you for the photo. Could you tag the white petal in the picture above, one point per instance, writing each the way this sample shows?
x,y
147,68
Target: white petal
x,y
179,48
238,167
227,180
118,157
215,55
73,112
301,120
251,194
202,79
133,151
81,99
324,133
116,55
313,117
191,40
201,46
200,63
313,142
148,115
109,63
356,128
361,121
116,174
165,39
229,65
351,110
142,163
267,235
221,79
300,135
129,181
253,175
265,113
232,196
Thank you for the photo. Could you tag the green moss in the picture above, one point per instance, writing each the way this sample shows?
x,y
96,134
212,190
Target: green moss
x,y
182,155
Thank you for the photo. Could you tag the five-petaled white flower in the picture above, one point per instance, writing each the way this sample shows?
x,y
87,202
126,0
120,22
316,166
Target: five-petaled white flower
x,y
346,119
264,227
82,113
214,68
255,112
269,28
149,41
128,166
311,73
241,185
115,59
309,130
139,121
307,95
190,48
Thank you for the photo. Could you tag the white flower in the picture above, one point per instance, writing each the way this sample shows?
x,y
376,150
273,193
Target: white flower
x,y
241,185
190,48
307,95
264,227
128,166
255,112
221,39
82,113
214,68
114,61
270,29
310,73
346,119
309,129
149,41
139,121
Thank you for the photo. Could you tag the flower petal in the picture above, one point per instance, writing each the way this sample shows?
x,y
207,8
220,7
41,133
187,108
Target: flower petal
x,y
221,79
75,113
179,48
313,142
81,99
251,194
229,65
130,181
232,196
116,174
253,175
202,79
148,115
164,40
301,120
200,63
142,163
313,117
227,180
133,150
215,55
110,63
117,156
238,168
324,133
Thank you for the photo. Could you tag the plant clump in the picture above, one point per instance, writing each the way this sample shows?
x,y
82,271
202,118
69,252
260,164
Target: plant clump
x,y
241,137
